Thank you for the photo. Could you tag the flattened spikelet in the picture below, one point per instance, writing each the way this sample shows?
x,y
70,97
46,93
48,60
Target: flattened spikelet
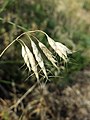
x,y
64,48
29,59
38,57
25,57
47,53
59,48
32,62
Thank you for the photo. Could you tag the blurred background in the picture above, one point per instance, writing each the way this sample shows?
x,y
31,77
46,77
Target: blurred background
x,y
66,21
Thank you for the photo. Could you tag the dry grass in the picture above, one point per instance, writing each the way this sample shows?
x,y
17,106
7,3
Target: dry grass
x,y
72,16
33,59
30,57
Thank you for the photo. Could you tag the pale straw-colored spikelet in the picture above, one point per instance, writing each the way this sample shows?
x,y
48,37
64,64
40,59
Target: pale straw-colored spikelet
x,y
38,58
59,48
47,53
64,48
25,57
29,59
32,62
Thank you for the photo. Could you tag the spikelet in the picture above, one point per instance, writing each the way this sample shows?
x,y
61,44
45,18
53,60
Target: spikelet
x,y
25,57
38,58
64,48
32,62
59,48
29,59
47,53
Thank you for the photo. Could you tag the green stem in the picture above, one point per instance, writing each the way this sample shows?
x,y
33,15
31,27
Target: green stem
x,y
11,23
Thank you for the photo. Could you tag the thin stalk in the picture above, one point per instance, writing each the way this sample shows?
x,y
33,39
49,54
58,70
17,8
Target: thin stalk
x,y
7,48
20,100
11,44
19,37
34,31
35,38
